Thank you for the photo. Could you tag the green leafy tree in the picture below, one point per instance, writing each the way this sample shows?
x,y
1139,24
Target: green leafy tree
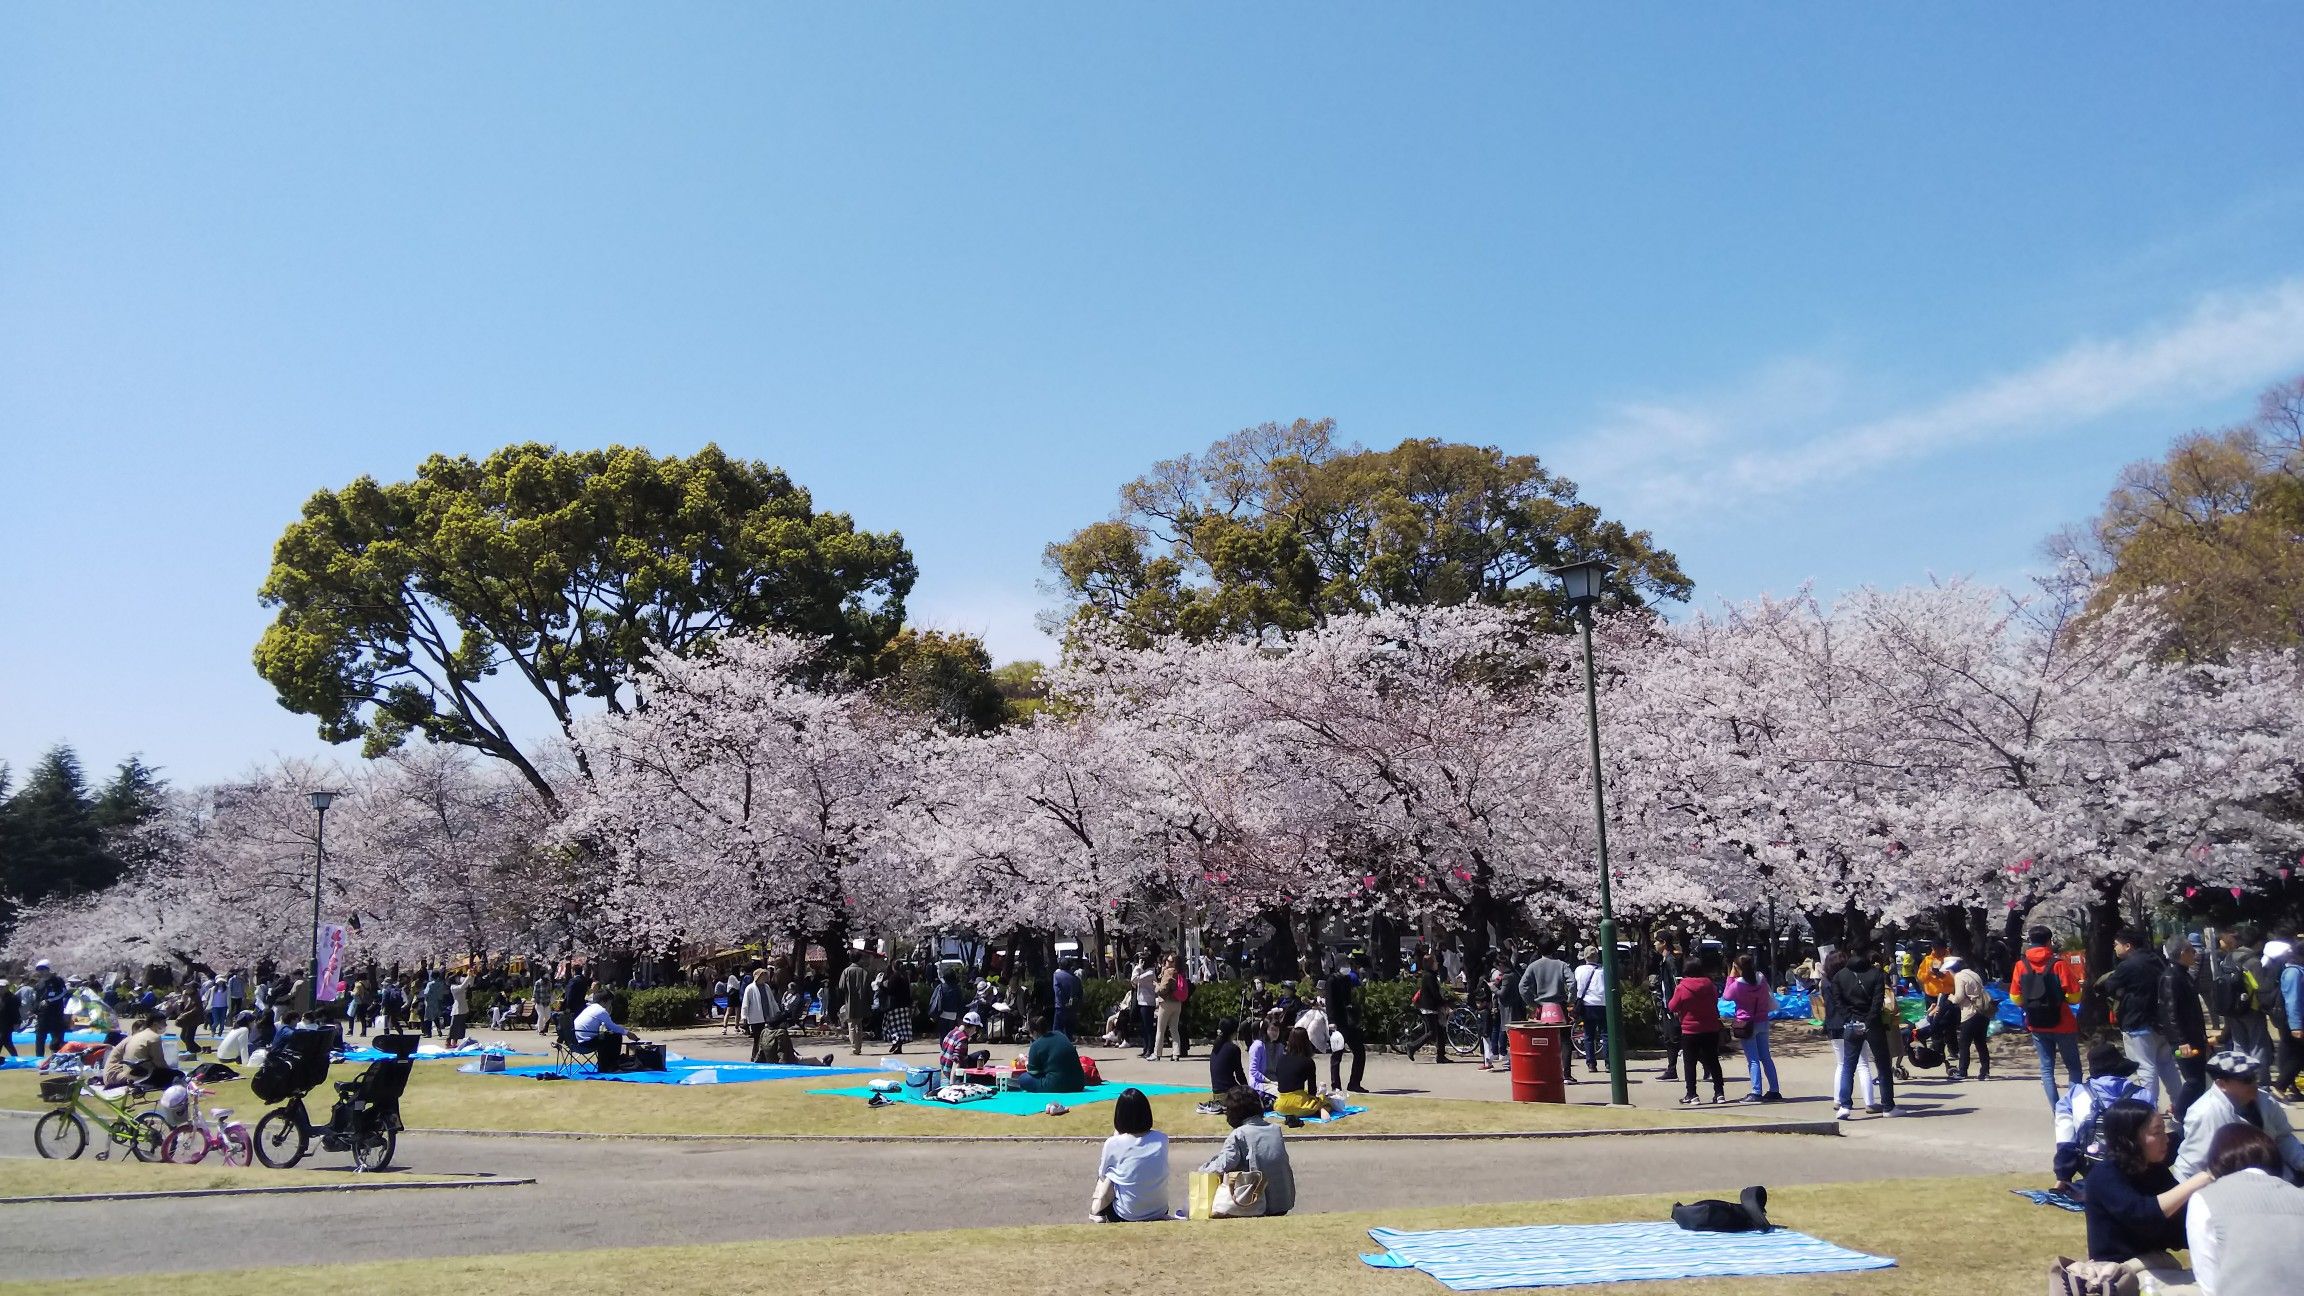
x,y
2215,531
944,677
1023,689
1279,528
55,846
398,604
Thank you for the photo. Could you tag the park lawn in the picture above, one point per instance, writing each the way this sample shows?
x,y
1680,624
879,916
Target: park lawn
x,y
1967,1236
441,1097
29,1176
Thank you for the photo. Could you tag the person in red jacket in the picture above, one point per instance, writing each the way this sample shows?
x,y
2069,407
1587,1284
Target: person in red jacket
x,y
2055,987
1695,1004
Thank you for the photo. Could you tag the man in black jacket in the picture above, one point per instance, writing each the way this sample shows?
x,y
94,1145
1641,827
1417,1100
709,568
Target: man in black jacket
x,y
1344,1016
1667,977
2134,984
2183,1024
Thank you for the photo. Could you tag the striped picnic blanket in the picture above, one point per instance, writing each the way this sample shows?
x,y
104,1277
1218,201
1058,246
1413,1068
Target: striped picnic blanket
x,y
1565,1255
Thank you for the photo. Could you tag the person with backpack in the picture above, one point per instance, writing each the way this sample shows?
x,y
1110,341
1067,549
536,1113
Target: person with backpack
x,y
2236,981
2045,987
2133,985
2079,1113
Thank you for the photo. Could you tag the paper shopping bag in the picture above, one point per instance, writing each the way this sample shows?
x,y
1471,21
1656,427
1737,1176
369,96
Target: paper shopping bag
x,y
1204,1185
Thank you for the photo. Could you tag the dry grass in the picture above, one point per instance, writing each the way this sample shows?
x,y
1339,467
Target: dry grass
x,y
34,1177
1952,1237
441,1097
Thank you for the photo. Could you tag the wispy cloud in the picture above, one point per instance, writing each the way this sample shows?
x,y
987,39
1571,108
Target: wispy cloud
x,y
1761,439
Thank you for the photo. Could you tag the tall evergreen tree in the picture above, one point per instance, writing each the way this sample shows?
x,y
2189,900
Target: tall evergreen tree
x,y
56,845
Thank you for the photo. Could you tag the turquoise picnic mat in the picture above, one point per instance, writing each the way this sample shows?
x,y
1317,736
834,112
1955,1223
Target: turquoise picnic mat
x,y
1016,1102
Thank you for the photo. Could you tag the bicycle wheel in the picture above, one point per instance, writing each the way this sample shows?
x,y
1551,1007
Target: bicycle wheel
x,y
186,1145
145,1136
61,1135
372,1149
239,1149
280,1141
1463,1035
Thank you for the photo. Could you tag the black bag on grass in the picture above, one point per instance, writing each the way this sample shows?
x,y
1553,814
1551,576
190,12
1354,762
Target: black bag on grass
x,y
1750,1215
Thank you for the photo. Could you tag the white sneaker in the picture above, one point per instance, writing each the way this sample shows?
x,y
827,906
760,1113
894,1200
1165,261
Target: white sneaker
x,y
1839,1113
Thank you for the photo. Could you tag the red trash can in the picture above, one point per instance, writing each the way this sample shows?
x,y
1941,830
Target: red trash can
x,y
1538,1055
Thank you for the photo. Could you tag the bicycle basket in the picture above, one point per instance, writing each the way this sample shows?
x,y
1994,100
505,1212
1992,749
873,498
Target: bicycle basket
x,y
58,1089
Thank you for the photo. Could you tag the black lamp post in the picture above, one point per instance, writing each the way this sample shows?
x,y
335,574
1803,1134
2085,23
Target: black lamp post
x,y
1581,582
320,803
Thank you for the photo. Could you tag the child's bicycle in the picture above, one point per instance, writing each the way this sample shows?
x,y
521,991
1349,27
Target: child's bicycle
x,y
63,1133
205,1132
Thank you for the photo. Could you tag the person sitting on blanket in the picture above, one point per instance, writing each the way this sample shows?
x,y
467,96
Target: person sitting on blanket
x,y
1052,1064
955,1056
1296,1076
235,1046
1224,1069
1255,1144
1132,1173
1262,1039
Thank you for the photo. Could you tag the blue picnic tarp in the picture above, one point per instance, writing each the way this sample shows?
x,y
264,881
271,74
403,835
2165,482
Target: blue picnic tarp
x,y
1568,1255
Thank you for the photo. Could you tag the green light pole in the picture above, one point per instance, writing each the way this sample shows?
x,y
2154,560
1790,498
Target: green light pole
x,y
320,803
1581,582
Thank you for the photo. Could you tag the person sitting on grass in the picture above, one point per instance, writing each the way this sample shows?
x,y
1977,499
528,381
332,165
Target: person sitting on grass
x,y
2135,1206
1262,1039
1132,1173
142,1058
1255,1144
955,1056
235,1046
1052,1064
1224,1067
1296,1076
2246,1230
2080,1111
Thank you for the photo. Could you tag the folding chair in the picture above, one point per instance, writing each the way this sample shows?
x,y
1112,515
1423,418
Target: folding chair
x,y
569,1057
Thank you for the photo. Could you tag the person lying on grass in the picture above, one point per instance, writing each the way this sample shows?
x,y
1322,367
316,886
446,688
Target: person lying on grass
x,y
1255,1144
1132,1173
1052,1064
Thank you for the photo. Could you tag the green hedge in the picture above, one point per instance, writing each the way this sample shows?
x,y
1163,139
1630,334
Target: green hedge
x,y
663,1008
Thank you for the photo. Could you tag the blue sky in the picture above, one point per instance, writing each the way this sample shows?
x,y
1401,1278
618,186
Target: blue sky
x,y
1846,294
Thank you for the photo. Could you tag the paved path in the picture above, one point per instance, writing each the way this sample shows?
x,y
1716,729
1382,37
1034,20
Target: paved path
x,y
619,1193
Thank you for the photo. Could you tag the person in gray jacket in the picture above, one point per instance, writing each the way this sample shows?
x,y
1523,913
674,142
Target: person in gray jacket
x,y
1549,980
1255,1145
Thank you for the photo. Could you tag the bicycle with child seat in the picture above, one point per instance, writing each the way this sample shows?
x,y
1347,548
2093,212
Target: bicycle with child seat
x,y
65,1131
206,1132
365,1120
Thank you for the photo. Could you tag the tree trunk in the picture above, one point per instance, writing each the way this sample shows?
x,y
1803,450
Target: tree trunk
x,y
2103,920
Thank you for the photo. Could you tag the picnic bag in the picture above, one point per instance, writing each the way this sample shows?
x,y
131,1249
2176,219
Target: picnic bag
x,y
1201,1185
1088,1071
1749,1214
1239,1194
2090,1278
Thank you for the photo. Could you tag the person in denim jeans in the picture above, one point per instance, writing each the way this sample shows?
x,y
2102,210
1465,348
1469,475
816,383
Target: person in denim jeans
x,y
2050,1040
2134,986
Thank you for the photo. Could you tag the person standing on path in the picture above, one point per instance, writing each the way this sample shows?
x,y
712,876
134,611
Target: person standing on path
x,y
50,996
2184,1024
11,1016
1144,988
2237,983
1749,991
436,999
1591,990
1431,1010
2045,987
1976,1009
1064,993
1545,987
1667,980
1171,994
1859,991
1934,981
1344,1017
2134,986
1695,1002
2288,996
459,1009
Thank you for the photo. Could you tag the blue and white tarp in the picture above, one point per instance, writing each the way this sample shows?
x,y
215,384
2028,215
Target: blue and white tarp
x,y
1569,1255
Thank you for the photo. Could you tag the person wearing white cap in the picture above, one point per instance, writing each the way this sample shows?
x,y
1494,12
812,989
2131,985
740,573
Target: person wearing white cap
x,y
2233,1097
50,999
955,1055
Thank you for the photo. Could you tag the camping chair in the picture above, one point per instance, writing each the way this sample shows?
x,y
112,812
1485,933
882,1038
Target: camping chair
x,y
569,1057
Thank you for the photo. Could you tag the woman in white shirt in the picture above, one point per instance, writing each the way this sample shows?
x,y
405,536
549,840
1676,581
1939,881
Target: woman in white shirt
x,y
1132,1175
1144,985
2246,1230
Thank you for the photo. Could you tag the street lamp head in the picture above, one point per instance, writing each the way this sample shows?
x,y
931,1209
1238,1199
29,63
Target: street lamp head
x,y
322,800
1581,581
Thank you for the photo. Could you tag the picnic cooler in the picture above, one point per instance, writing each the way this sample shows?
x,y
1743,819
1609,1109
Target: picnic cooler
x,y
1539,1053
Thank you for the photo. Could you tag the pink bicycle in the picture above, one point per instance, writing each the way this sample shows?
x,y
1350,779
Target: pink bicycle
x,y
205,1132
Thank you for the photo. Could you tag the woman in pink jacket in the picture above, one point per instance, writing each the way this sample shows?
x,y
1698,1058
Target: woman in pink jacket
x,y
1696,1003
